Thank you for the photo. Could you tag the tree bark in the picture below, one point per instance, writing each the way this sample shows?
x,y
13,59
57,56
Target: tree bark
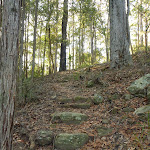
x,y
1,6
20,94
34,40
73,44
92,37
141,24
8,70
57,16
119,34
64,37
43,65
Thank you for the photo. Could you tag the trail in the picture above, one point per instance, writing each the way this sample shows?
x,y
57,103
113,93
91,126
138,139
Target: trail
x,y
111,113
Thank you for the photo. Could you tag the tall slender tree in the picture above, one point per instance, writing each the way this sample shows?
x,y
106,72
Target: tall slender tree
x,y
64,37
8,70
34,40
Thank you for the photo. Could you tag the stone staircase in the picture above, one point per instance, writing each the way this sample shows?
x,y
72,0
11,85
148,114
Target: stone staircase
x,y
70,141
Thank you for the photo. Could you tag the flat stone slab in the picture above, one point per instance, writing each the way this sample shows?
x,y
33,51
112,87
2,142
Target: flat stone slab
x,y
65,141
77,102
68,118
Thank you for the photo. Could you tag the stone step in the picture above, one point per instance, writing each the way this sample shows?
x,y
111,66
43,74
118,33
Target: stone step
x,y
68,117
81,102
65,141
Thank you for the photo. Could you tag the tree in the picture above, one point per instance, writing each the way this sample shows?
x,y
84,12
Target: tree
x,y
64,37
119,34
34,41
8,67
20,91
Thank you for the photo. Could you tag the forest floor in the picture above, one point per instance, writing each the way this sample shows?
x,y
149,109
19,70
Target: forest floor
x,y
129,133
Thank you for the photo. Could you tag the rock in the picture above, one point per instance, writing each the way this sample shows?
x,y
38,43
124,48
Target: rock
x,y
103,131
90,84
138,87
128,109
65,141
44,137
68,118
142,110
97,99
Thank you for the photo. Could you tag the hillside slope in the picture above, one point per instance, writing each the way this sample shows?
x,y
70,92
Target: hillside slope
x,y
114,112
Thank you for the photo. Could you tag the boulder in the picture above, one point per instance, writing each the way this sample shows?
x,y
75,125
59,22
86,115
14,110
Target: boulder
x,y
68,118
139,87
142,110
44,137
65,141
97,99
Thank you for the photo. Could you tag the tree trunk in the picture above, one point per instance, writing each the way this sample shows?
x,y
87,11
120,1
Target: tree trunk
x,y
39,50
73,44
146,35
64,37
141,25
1,6
69,49
57,16
26,74
92,37
138,27
50,51
34,40
82,45
43,65
20,91
119,34
8,71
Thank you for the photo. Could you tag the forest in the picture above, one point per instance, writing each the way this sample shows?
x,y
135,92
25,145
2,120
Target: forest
x,y
74,74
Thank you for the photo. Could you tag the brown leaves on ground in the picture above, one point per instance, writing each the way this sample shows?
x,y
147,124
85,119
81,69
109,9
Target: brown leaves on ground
x,y
128,131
